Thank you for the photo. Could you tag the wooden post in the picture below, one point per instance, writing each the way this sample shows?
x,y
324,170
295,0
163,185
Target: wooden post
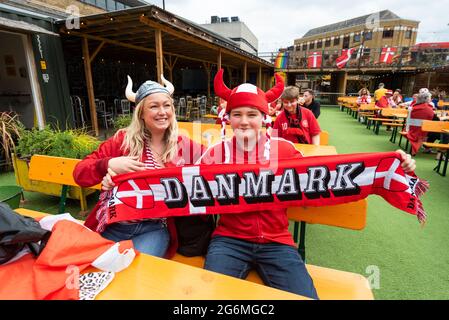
x,y
229,69
259,77
245,70
219,60
159,55
170,66
90,86
207,68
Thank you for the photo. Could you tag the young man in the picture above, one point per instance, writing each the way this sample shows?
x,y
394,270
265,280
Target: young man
x,y
386,101
260,239
379,93
296,123
310,103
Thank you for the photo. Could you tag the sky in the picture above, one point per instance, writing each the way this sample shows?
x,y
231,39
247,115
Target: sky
x,y
276,24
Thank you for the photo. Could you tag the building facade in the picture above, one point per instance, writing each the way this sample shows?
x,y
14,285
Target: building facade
x,y
376,30
235,30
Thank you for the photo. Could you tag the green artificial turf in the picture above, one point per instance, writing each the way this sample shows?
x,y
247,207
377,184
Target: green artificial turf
x,y
412,261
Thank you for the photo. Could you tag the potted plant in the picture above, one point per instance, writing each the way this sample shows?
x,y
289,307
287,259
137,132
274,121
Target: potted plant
x,y
52,142
10,131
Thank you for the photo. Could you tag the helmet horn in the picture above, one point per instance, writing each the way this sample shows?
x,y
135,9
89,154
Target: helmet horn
x,y
219,87
277,90
129,91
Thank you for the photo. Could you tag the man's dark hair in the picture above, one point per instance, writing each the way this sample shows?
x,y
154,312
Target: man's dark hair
x,y
310,91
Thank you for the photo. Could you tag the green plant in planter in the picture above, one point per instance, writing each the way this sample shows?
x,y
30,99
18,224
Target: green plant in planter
x,y
69,144
122,121
11,130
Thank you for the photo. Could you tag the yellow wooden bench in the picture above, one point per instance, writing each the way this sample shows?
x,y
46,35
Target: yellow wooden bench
x,y
154,278
441,127
210,133
330,283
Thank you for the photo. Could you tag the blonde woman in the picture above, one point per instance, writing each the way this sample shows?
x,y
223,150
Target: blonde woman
x,y
151,141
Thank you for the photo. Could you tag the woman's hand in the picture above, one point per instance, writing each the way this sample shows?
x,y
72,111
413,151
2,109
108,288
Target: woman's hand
x,y
107,183
121,165
407,163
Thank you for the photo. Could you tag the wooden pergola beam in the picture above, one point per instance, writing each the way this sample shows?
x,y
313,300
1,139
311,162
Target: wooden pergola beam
x,y
259,77
207,68
159,55
219,60
135,47
189,38
90,86
92,57
245,72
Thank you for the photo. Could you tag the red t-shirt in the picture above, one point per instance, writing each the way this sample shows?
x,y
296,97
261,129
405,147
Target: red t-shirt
x,y
309,127
265,226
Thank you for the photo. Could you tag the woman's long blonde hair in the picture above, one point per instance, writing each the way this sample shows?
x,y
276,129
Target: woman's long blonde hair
x,y
136,134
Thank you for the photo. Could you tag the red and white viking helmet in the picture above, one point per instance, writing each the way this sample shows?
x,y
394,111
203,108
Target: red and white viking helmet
x,y
247,94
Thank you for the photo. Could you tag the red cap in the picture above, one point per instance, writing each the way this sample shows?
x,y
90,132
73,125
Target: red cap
x,y
246,94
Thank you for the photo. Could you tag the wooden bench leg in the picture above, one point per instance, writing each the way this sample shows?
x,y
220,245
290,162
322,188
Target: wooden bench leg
x,y
64,191
445,163
83,200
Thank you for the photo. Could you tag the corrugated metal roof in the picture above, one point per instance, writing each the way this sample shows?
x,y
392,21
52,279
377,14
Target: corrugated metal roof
x,y
383,16
15,25
39,21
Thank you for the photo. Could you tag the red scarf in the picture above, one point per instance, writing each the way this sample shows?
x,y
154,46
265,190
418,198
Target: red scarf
x,y
311,181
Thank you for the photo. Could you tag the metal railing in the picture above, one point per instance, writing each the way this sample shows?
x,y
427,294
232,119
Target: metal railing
x,y
396,57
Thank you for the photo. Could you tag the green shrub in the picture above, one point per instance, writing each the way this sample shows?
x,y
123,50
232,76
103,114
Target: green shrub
x,y
69,144
122,121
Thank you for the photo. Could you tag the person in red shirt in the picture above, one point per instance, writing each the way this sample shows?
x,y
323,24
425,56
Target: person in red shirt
x,y
422,110
386,101
296,123
151,141
255,239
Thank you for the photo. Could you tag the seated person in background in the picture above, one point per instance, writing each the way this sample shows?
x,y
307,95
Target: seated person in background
x,y
296,123
275,108
310,103
220,108
422,110
397,98
364,97
410,103
386,101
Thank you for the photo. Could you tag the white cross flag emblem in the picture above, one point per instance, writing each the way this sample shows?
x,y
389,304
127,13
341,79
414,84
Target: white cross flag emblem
x,y
387,55
136,193
387,176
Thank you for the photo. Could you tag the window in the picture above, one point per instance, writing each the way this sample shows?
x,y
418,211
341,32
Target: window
x,y
336,41
408,34
368,35
312,45
327,43
101,4
356,38
304,47
319,44
111,5
387,34
120,6
92,2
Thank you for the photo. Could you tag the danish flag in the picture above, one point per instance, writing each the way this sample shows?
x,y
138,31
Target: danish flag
x,y
314,60
387,54
136,193
388,176
344,58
